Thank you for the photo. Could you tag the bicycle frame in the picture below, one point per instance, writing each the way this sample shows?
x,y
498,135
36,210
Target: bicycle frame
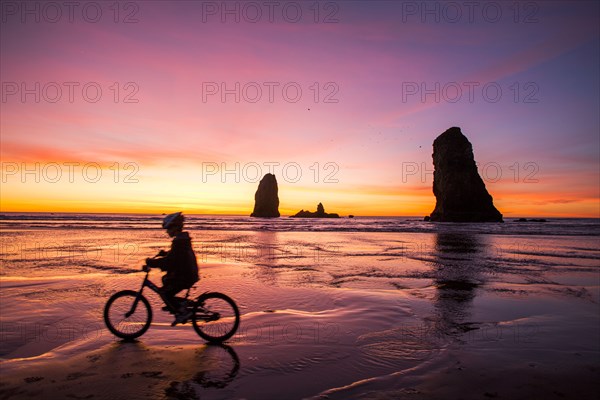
x,y
148,283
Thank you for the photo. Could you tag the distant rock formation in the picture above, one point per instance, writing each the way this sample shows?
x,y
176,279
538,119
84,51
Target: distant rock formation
x,y
460,193
531,220
320,213
266,199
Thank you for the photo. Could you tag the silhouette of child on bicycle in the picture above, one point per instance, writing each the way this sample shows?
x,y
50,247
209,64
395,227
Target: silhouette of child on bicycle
x,y
179,262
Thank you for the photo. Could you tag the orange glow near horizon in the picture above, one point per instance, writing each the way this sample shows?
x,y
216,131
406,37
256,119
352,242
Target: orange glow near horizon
x,y
32,183
157,192
589,210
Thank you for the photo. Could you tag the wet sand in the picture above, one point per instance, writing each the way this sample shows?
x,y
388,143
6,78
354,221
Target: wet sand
x,y
366,321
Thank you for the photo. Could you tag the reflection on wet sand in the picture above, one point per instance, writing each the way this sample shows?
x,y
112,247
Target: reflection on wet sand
x,y
265,254
209,366
457,271
218,365
134,369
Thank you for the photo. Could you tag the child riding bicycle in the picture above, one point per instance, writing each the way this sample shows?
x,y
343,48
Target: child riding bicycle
x,y
179,262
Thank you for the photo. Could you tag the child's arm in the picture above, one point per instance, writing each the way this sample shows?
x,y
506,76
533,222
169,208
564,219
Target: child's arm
x,y
158,262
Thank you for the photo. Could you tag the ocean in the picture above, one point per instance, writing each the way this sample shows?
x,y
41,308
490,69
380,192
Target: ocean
x,y
552,226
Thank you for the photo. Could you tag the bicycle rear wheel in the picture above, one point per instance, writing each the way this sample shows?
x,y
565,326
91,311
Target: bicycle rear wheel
x,y
125,321
216,317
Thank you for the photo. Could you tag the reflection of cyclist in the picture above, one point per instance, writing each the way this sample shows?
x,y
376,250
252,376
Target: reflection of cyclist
x,y
179,262
213,373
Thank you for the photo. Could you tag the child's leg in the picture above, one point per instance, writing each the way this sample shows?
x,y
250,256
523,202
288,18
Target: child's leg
x,y
169,292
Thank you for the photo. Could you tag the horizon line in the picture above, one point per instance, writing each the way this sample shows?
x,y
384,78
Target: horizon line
x,y
247,215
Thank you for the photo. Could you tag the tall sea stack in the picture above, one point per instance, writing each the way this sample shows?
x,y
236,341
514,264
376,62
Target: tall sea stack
x,y
266,199
460,193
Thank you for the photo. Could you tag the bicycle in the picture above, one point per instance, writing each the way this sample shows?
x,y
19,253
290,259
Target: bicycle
x,y
128,314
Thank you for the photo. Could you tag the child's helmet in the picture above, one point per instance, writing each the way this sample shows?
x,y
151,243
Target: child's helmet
x,y
172,220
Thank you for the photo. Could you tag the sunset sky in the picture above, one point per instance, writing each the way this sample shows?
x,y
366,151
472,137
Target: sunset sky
x,y
358,137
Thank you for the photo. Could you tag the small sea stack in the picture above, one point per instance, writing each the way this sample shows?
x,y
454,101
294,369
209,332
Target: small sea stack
x,y
320,213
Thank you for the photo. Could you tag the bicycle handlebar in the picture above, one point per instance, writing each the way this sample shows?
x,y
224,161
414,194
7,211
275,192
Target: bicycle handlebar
x,y
161,253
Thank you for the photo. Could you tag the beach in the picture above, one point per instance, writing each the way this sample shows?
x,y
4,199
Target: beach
x,y
369,309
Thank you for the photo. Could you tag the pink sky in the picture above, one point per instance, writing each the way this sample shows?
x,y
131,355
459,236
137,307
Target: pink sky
x,y
368,58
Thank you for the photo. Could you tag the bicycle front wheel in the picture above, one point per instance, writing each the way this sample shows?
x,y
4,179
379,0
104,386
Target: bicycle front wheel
x,y
216,317
126,319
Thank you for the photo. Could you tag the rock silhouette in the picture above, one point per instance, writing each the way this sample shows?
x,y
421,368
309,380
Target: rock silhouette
x,y
460,193
266,199
320,213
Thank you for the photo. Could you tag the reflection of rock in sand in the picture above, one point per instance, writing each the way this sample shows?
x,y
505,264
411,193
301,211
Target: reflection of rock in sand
x,y
265,256
457,275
